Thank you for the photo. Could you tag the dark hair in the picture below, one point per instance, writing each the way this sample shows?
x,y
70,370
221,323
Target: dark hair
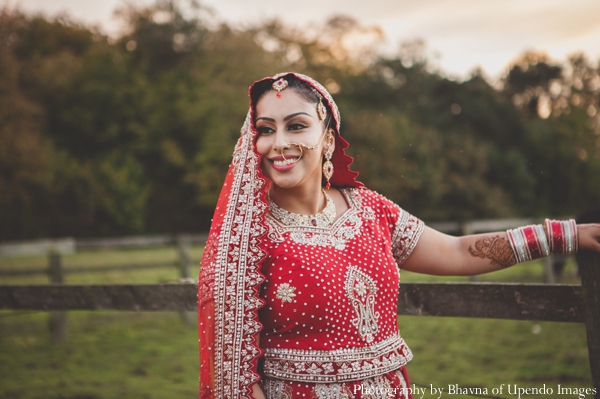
x,y
299,86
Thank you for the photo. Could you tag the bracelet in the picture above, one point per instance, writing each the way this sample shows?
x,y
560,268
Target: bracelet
x,y
562,235
528,243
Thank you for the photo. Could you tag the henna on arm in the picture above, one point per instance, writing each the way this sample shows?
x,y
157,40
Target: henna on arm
x,y
496,249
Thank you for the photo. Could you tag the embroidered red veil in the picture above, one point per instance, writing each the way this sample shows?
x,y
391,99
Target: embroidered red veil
x,y
230,272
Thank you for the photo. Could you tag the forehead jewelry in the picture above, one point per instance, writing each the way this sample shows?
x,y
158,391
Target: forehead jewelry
x,y
279,86
321,110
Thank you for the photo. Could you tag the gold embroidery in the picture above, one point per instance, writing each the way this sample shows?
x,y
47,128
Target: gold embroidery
x,y
331,391
276,389
361,291
339,365
285,292
235,342
343,230
406,235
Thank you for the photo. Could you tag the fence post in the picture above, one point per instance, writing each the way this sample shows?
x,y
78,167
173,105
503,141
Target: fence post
x,y
183,246
58,319
549,270
589,266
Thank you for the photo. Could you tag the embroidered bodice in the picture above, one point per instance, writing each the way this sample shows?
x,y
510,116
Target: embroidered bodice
x,y
331,293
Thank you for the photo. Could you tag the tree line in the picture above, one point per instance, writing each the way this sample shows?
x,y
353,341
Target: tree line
x,y
108,136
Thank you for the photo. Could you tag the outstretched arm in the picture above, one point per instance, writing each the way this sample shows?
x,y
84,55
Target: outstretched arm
x,y
440,254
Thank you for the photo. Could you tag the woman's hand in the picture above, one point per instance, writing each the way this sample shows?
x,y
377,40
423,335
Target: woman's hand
x,y
589,237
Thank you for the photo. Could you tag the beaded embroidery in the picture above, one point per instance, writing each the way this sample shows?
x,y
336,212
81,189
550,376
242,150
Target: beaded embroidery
x,y
378,387
325,218
285,292
276,389
361,290
345,228
339,365
235,265
331,391
406,234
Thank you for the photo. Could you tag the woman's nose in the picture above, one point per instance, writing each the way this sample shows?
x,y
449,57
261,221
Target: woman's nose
x,y
280,140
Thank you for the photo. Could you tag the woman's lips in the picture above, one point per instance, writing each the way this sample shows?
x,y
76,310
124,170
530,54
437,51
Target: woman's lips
x,y
283,165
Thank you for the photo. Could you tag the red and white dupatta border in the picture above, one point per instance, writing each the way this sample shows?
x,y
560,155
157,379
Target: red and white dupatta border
x,y
233,265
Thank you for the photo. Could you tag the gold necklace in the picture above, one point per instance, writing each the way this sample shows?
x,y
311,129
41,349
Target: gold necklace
x,y
325,218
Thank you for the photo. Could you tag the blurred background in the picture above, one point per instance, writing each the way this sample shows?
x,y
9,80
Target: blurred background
x,y
132,132
119,118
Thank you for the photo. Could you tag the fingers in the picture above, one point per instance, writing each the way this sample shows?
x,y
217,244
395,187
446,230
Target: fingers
x,y
589,237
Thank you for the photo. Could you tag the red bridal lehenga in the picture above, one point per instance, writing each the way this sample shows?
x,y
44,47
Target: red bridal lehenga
x,y
322,299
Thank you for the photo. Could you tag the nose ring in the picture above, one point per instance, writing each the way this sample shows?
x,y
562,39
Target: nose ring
x,y
288,146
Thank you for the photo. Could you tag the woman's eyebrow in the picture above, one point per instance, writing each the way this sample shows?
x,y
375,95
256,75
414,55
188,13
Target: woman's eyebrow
x,y
287,118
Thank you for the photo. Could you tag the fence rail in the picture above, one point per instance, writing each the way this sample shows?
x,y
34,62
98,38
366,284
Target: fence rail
x,y
514,301
70,245
564,303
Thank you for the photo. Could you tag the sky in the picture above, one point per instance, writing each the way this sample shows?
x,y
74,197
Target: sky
x,y
460,35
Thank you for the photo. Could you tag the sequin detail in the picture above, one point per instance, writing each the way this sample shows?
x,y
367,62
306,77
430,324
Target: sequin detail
x,y
392,385
337,236
331,391
341,326
361,291
285,292
325,218
340,365
276,389
406,234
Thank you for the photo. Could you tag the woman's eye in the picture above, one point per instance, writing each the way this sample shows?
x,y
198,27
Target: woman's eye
x,y
264,130
296,126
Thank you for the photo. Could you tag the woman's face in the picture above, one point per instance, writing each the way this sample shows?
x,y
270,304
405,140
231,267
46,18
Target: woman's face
x,y
281,121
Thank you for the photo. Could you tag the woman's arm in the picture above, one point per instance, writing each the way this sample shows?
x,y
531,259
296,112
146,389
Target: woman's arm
x,y
257,393
440,254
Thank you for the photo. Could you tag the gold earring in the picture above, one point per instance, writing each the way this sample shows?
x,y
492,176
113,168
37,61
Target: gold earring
x,y
328,165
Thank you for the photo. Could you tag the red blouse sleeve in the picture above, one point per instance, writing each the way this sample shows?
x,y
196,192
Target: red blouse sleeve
x,y
407,230
404,228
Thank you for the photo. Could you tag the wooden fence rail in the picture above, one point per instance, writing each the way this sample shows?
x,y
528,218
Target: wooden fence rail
x,y
514,301
564,303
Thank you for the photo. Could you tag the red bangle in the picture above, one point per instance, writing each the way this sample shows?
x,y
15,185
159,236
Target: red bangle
x,y
562,236
528,243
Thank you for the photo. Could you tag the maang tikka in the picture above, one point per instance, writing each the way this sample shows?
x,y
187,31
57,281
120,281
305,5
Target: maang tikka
x,y
328,165
279,86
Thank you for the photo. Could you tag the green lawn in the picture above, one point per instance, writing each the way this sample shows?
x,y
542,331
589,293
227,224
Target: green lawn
x,y
154,355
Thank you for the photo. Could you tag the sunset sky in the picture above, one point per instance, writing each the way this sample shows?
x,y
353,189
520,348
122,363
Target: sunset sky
x,y
463,33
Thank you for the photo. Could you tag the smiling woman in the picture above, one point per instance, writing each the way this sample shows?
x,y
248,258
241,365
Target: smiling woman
x,y
291,131
298,286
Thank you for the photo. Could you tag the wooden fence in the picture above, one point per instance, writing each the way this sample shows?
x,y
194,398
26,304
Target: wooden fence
x,y
515,301
55,249
544,302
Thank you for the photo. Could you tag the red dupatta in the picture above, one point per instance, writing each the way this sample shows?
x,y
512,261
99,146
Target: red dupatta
x,y
230,272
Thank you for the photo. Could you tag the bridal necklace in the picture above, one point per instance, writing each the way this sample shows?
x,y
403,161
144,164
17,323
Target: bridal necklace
x,y
325,218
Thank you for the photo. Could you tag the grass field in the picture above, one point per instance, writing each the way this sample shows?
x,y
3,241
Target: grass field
x,y
154,355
